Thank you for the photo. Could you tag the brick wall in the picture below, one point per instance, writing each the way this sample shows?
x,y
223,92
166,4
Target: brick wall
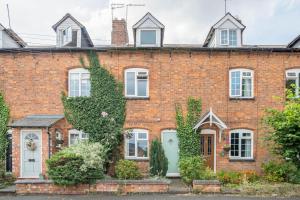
x,y
119,34
33,83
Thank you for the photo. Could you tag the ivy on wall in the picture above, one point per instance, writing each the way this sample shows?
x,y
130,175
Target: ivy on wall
x,y
189,139
102,114
4,117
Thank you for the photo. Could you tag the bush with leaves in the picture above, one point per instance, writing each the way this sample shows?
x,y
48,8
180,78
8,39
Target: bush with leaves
x,y
127,169
192,168
4,117
102,114
158,160
189,140
230,177
81,163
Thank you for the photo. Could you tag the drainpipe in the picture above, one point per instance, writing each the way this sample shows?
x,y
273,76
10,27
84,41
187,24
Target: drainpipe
x,y
49,140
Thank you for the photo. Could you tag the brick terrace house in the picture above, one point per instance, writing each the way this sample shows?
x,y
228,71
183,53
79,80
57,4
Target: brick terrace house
x,y
236,83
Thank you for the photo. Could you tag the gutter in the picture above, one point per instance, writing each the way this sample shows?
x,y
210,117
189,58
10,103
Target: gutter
x,y
49,140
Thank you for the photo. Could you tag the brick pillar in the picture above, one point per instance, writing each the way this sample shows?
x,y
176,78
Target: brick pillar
x,y
119,34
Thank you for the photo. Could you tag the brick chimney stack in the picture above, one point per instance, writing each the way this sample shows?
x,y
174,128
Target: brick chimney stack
x,y
119,34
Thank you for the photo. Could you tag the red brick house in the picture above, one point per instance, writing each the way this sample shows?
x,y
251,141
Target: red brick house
x,y
236,83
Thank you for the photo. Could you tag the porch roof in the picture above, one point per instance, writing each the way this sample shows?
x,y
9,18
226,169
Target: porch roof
x,y
31,121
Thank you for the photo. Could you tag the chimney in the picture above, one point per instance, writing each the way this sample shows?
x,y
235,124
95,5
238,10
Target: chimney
x,y
119,34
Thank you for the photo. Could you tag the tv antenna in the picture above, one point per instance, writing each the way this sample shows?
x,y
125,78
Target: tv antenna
x,y
225,1
122,5
8,15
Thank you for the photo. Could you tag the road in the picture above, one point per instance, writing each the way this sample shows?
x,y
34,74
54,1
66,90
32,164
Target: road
x,y
138,197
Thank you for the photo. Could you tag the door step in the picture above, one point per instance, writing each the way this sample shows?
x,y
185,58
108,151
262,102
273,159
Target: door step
x,y
178,187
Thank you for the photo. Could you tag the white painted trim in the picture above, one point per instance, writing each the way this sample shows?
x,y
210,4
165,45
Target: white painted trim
x,y
296,78
231,19
212,132
145,18
157,37
40,133
227,31
240,131
211,114
135,140
136,70
79,71
162,140
241,70
75,131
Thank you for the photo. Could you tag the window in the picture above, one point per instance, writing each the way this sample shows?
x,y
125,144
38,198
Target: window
x,y
136,83
136,144
241,83
76,136
148,37
229,37
241,143
293,81
67,35
79,82
59,139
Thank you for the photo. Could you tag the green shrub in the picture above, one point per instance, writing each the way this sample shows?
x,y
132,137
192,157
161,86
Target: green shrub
x,y
82,163
192,168
230,177
4,117
250,176
127,169
277,171
158,160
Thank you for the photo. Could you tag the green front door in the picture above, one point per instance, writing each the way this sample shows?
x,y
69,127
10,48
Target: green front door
x,y
170,145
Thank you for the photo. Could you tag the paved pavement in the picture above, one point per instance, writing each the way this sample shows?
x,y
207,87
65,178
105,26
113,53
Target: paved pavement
x,y
138,197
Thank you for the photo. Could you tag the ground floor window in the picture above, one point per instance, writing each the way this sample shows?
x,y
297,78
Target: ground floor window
x,y
76,136
241,143
136,144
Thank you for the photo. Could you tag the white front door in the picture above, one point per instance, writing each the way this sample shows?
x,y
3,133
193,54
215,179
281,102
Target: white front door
x,y
31,153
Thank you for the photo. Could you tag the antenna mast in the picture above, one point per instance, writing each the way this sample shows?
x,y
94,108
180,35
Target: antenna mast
x,y
131,5
122,5
8,15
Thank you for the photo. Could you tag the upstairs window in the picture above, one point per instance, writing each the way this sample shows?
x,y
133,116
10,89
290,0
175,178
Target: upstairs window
x,y
136,82
229,37
67,36
293,81
79,82
148,37
241,83
241,144
136,144
76,136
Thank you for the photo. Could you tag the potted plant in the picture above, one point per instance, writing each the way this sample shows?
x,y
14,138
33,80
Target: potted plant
x,y
226,147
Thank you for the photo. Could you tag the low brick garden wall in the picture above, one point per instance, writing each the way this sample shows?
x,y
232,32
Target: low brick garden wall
x,y
112,186
207,186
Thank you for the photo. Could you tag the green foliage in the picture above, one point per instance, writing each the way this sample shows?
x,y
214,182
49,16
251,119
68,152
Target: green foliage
x,y
158,160
189,140
82,163
4,117
102,114
285,129
230,177
250,176
127,169
278,171
193,168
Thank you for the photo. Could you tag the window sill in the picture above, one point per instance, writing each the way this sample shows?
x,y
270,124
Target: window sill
x,y
241,160
137,98
242,98
137,159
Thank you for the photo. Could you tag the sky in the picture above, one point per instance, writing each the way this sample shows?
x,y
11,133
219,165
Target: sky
x,y
268,22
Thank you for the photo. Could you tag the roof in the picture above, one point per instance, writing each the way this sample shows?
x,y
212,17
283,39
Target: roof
x,y
85,34
210,118
228,15
292,43
13,35
148,15
36,121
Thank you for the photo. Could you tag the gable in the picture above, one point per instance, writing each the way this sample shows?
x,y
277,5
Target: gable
x,y
68,23
228,24
148,23
229,20
148,20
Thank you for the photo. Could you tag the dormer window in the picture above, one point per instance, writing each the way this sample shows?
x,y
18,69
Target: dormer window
x,y
67,36
148,32
228,37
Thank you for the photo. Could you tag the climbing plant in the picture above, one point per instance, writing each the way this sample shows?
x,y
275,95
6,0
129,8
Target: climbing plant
x,y
4,117
189,140
102,114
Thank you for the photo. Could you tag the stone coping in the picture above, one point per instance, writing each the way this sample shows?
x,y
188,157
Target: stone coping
x,y
206,182
108,181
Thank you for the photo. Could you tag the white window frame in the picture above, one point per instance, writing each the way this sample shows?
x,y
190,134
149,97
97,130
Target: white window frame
x,y
152,44
227,43
241,131
75,131
58,136
136,70
79,71
1,39
68,37
157,37
296,78
136,139
241,70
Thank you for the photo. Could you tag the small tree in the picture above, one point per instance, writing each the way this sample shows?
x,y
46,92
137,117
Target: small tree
x,y
4,117
189,140
158,160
